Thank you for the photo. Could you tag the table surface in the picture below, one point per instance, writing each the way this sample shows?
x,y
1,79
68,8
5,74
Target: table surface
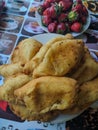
x,y
13,34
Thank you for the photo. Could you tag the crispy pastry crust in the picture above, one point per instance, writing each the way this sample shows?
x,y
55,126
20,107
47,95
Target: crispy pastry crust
x,y
48,93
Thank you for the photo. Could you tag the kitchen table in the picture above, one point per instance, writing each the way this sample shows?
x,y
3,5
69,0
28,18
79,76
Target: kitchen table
x,y
19,23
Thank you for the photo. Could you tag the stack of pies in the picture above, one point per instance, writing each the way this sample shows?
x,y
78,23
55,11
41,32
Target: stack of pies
x,y
43,81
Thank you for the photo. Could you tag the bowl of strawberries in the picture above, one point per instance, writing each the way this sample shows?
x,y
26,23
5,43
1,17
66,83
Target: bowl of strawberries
x,y
63,16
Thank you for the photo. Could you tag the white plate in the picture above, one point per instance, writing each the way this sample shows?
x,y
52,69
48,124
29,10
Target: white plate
x,y
18,9
36,30
43,38
85,26
95,105
8,23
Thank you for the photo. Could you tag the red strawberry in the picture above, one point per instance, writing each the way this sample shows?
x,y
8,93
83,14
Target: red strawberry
x,y
52,1
61,28
46,4
77,8
76,27
62,4
68,25
52,27
65,5
83,19
46,20
47,12
62,17
79,1
53,11
84,11
56,1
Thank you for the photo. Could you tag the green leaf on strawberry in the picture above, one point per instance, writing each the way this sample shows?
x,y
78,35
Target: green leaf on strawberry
x,y
73,16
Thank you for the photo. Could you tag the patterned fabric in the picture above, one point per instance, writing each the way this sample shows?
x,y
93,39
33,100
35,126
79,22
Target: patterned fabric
x,y
88,120
2,3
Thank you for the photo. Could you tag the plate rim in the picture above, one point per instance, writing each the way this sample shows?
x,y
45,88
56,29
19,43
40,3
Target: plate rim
x,y
11,28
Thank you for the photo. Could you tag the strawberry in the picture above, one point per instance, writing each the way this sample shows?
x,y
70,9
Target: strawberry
x,y
61,28
84,11
83,19
46,20
65,5
53,11
62,5
47,12
46,4
79,1
77,8
52,1
52,27
76,27
68,25
62,17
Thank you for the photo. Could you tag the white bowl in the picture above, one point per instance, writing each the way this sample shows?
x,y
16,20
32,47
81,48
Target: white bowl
x,y
85,26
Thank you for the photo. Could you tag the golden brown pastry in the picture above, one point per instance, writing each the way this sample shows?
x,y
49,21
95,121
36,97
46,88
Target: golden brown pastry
x,y
7,70
88,94
87,70
25,50
11,84
60,58
29,67
25,114
15,55
48,93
